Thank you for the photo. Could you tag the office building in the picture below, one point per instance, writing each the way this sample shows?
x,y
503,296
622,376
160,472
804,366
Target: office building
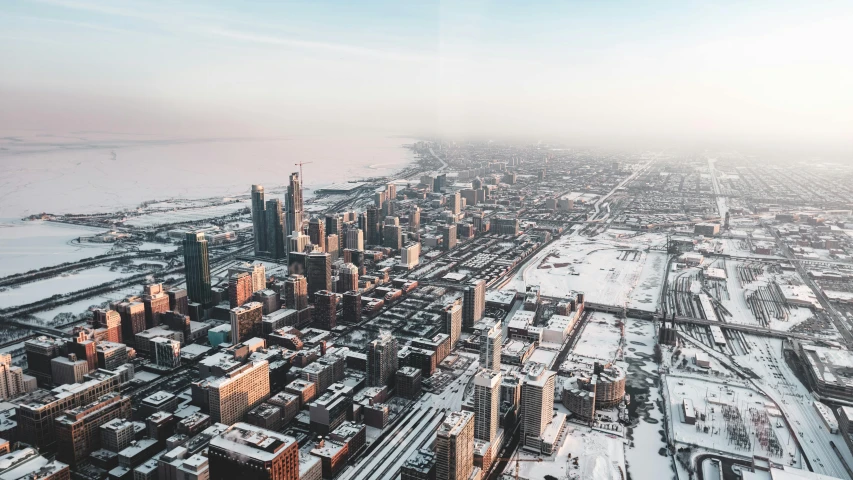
x,y
245,451
12,379
408,382
167,352
354,239
270,299
453,322
293,204
317,233
334,224
66,370
415,219
298,242
178,302
352,306
40,351
392,234
110,320
537,404
448,236
347,278
197,268
319,273
454,447
117,434
27,464
333,247
382,361
156,303
454,203
239,288
231,396
276,241
371,228
246,322
259,219
474,303
487,395
132,315
491,341
410,255
265,416
111,355
296,292
78,430
256,270
325,310
330,410
505,226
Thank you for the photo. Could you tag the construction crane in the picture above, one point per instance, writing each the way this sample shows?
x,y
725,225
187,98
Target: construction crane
x,y
301,178
517,460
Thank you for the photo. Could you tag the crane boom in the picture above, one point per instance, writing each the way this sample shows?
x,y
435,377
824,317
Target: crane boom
x,y
301,177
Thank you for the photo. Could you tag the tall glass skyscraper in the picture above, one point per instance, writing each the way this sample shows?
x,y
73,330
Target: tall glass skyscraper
x,y
197,268
293,204
259,219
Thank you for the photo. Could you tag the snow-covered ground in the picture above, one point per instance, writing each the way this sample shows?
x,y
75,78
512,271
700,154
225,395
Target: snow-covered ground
x,y
601,337
30,245
79,307
70,282
594,455
194,214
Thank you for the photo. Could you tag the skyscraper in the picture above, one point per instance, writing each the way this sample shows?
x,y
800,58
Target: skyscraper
x,y
156,303
296,292
454,203
474,303
392,234
197,268
490,347
355,239
333,246
317,232
275,229
247,322
319,273
257,270
371,228
487,395
453,322
537,404
239,288
448,235
230,397
293,204
382,360
325,310
259,219
347,278
410,255
297,242
454,447
334,224
178,301
415,219
352,306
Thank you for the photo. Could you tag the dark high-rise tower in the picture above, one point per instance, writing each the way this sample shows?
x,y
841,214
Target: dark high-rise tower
x,y
371,229
325,310
317,233
296,292
197,268
259,219
319,273
275,229
382,362
333,224
293,204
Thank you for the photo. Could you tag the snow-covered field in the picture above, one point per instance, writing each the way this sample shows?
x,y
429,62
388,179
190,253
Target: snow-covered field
x,y
601,337
31,245
187,214
79,307
599,455
71,282
615,268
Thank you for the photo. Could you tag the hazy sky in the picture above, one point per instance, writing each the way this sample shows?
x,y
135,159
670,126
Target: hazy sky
x,y
601,72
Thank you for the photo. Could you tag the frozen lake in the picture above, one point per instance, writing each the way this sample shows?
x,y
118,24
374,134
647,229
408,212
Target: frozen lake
x,y
90,172
71,282
26,246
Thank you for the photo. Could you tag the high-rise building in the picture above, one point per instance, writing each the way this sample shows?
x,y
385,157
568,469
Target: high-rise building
x,y
257,271
325,310
11,378
293,204
334,224
247,322
250,452
132,313
156,302
40,351
453,322
167,352
415,219
78,430
319,273
454,203
231,396
448,236
352,306
333,246
347,278
178,302
382,360
454,447
296,292
317,232
197,268
67,370
491,342
408,382
392,233
477,221
474,303
487,395
275,230
355,239
110,320
537,403
259,219
410,255
371,228
239,288
505,226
